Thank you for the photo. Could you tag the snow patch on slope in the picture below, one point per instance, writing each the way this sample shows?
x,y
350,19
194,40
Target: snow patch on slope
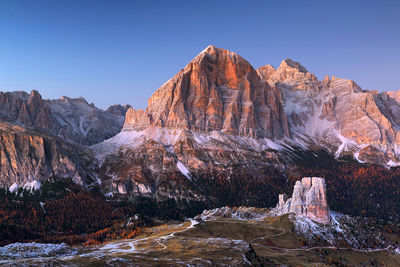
x,y
391,163
182,168
241,213
33,186
13,188
346,143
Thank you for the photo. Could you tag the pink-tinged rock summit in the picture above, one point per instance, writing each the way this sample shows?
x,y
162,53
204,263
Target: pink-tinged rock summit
x,y
308,200
218,90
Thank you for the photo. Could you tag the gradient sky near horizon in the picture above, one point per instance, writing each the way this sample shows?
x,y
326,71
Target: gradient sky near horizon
x,y
120,52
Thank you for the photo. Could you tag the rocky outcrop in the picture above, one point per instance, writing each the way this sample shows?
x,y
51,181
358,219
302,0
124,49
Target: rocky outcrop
x,y
27,156
82,122
293,75
394,94
72,119
338,115
118,110
218,90
265,72
136,120
308,200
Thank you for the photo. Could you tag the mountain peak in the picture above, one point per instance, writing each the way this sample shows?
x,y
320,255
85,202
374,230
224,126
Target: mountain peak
x,y
213,50
266,71
288,63
209,48
218,90
35,93
293,74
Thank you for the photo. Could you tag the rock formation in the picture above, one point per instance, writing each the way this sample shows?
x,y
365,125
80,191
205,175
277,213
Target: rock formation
x,y
218,111
337,114
27,156
308,200
216,116
72,119
394,94
218,90
119,110
136,120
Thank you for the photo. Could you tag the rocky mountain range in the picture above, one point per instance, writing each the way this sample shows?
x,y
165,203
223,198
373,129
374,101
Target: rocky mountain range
x,y
219,113
338,115
71,119
42,138
218,118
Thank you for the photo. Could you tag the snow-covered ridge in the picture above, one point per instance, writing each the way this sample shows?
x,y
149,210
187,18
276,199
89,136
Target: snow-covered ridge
x,y
182,168
169,137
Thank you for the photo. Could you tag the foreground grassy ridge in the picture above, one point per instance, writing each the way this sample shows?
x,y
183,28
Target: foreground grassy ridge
x,y
266,242
270,241
274,243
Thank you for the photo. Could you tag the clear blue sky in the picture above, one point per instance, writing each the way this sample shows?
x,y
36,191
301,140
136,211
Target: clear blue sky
x,y
122,51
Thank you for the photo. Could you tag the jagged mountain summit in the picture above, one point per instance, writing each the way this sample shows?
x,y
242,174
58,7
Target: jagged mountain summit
x,y
218,90
337,114
215,111
220,117
72,119
218,111
43,138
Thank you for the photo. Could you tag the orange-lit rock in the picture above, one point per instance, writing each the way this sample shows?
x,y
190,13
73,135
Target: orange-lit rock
x,y
26,155
218,90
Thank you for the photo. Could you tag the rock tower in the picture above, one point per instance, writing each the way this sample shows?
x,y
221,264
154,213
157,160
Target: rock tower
x,y
308,200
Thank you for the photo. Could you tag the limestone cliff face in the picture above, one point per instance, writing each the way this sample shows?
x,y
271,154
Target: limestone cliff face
x,y
394,94
337,114
219,111
136,120
72,119
218,90
26,155
308,200
265,72
293,75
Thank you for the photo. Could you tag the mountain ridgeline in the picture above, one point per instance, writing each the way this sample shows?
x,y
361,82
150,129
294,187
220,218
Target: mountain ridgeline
x,y
219,132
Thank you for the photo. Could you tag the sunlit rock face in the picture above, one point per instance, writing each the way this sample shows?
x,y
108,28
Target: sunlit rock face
x,y
27,156
136,120
308,200
218,110
217,90
337,114
265,72
394,94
